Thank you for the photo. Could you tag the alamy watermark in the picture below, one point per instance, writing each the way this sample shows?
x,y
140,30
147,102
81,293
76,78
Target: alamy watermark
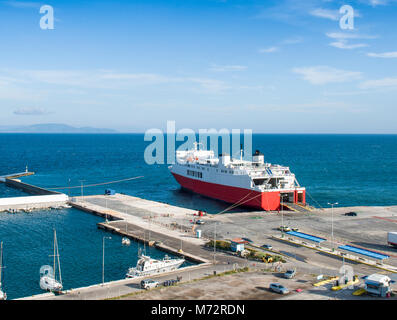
x,y
163,147
47,20
346,22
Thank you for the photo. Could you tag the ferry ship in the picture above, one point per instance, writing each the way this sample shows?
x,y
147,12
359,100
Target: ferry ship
x,y
147,266
254,184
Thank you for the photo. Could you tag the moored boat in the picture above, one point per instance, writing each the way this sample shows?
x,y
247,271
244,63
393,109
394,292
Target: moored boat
x,y
48,279
147,266
240,182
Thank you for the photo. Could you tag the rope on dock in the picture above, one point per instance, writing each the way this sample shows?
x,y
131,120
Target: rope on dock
x,y
239,203
95,185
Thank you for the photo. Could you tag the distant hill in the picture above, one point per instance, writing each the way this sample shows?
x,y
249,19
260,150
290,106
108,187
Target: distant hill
x,y
52,128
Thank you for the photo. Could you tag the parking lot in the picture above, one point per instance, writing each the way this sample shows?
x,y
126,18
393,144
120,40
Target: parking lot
x,y
240,286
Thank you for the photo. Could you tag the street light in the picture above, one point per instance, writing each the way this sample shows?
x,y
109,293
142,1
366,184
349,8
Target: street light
x,y
332,222
103,259
82,190
215,242
282,211
69,187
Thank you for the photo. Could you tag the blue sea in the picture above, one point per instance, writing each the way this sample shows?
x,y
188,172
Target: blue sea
x,y
349,169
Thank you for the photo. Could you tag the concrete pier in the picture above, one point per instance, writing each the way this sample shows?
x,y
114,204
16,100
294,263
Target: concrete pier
x,y
157,244
16,175
41,198
33,202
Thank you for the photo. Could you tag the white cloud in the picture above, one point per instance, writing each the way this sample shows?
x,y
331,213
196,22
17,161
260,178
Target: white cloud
x,y
269,50
323,74
326,14
379,83
227,68
22,4
348,35
105,79
30,111
210,85
292,40
383,55
342,44
375,3
343,37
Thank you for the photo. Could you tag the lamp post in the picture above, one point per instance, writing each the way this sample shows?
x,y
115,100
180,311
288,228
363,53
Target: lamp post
x,y
215,243
103,259
69,187
82,189
282,214
332,222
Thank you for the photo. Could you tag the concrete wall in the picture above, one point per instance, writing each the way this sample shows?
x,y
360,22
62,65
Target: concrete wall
x,y
33,202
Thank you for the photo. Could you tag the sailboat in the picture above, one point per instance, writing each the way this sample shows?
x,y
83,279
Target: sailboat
x,y
3,295
48,280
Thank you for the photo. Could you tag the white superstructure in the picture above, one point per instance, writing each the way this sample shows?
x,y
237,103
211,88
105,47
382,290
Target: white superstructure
x,y
231,179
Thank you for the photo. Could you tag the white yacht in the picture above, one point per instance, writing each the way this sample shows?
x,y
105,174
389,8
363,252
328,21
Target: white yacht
x,y
147,266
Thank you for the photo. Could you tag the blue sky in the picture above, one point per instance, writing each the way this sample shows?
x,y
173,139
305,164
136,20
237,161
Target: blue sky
x,y
281,66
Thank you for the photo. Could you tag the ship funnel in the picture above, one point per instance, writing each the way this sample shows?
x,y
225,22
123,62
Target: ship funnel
x,y
258,157
224,158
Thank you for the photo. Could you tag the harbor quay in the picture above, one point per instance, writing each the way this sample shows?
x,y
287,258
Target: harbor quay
x,y
169,228
186,232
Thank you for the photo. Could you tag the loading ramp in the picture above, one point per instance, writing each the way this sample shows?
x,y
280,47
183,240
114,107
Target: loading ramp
x,y
297,207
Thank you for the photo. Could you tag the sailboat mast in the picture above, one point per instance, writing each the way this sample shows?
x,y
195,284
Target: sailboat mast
x,y
59,263
1,263
54,255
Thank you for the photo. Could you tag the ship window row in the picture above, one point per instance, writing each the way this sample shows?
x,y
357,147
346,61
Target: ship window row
x,y
225,171
194,167
194,174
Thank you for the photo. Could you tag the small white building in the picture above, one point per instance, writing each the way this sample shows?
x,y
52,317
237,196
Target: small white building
x,y
378,284
237,245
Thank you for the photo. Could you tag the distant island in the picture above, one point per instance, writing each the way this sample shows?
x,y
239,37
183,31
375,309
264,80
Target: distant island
x,y
52,128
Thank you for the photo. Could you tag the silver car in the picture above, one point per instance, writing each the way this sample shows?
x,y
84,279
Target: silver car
x,y
276,287
289,274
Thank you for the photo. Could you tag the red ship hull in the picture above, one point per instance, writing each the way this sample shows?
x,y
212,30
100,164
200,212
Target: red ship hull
x,y
268,201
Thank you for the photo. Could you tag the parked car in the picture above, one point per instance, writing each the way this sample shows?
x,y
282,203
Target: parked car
x,y
278,288
200,222
284,228
267,246
149,284
289,274
351,214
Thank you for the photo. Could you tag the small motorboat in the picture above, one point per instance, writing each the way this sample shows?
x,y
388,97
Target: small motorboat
x,y
125,241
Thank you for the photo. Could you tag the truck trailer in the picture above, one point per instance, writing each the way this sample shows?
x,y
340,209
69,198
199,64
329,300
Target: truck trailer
x,y
392,238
